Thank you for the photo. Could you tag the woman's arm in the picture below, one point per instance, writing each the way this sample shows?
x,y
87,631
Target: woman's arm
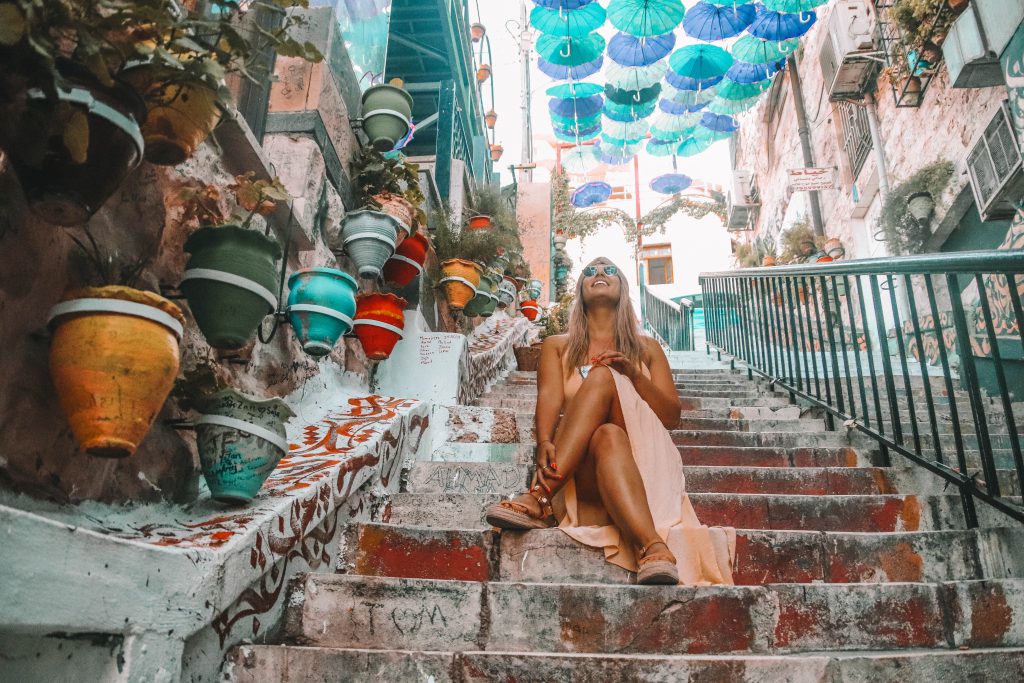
x,y
659,391
550,389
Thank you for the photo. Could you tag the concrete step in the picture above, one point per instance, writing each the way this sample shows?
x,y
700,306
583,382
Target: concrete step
x,y
262,663
762,556
773,456
466,477
510,453
751,425
727,404
860,513
419,614
683,437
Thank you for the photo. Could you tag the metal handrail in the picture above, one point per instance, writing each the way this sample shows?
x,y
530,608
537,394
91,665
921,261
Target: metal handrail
x,y
878,343
672,324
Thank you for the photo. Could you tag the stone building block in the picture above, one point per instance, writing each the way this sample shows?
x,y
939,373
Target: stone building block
x,y
413,552
439,510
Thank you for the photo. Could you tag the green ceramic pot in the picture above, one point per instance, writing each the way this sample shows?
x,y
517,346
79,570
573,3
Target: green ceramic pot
x,y
482,299
230,282
241,439
386,112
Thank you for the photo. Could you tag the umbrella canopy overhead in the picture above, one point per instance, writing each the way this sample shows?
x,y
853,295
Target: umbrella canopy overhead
x,y
670,107
661,148
634,77
629,50
757,51
568,23
581,159
617,156
646,17
686,83
625,130
671,183
689,98
700,62
565,90
705,21
768,25
731,107
575,121
672,126
577,136
574,73
792,6
629,112
588,194
746,72
571,51
695,144
632,97
718,123
731,90
576,107
562,4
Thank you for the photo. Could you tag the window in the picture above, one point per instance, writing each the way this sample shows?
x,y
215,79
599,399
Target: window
x,y
856,135
658,258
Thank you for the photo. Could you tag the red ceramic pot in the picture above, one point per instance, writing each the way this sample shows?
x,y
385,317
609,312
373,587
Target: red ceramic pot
x,y
407,261
480,223
530,309
379,321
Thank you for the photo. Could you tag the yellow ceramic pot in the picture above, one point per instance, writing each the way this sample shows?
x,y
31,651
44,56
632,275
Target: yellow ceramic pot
x,y
459,280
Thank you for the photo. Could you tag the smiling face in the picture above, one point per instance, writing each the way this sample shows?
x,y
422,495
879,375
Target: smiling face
x,y
601,286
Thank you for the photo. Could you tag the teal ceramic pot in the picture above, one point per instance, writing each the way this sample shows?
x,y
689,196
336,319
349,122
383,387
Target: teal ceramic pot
x,y
386,112
321,303
369,238
478,304
506,294
230,282
240,439
534,288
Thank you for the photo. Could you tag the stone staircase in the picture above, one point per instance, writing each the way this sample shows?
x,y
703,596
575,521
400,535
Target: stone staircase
x,y
845,571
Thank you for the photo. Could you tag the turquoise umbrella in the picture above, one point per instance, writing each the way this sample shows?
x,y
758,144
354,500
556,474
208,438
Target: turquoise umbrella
x,y
730,107
756,51
792,6
646,17
695,144
565,90
689,98
575,23
700,61
661,148
578,121
609,140
581,159
571,51
731,90
625,130
672,135
634,77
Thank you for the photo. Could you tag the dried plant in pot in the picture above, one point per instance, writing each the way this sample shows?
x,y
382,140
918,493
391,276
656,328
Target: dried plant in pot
x,y
388,183
904,222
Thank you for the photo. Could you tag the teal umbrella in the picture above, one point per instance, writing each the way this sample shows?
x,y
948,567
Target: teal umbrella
x,y
571,51
753,50
699,142
634,77
565,90
730,107
646,17
661,148
578,121
689,98
700,61
625,130
731,90
581,159
608,140
672,135
792,6
575,23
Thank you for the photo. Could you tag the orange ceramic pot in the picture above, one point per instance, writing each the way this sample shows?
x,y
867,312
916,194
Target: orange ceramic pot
x,y
459,279
407,261
496,151
480,223
530,309
113,361
399,208
769,261
379,321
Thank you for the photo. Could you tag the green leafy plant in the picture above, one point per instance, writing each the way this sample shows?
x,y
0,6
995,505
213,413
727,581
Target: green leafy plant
x,y
108,266
557,319
204,203
451,240
900,230
375,173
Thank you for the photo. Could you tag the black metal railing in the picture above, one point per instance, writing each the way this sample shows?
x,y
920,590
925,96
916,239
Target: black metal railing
x,y
925,354
671,323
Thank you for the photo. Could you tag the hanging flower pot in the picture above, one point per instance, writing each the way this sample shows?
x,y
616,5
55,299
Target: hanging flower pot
x,y
380,319
113,361
477,32
560,240
321,303
399,208
921,206
482,297
520,283
386,112
534,288
768,261
229,282
180,114
93,142
496,151
480,222
407,262
506,294
491,119
369,238
241,439
530,309
459,279
834,248
483,73
492,300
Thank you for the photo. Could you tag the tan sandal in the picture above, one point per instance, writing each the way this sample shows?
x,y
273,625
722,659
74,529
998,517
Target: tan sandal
x,y
658,569
508,514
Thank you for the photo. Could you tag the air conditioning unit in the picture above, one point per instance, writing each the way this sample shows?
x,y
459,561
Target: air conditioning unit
x,y
848,57
971,49
743,201
995,167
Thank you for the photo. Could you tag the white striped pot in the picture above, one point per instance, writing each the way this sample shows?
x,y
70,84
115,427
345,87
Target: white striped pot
x,y
369,239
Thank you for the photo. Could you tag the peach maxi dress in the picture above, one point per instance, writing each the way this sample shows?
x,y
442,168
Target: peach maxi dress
x,y
704,555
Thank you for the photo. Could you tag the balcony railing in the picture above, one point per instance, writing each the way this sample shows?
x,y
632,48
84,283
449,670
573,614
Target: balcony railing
x,y
672,324
910,70
923,354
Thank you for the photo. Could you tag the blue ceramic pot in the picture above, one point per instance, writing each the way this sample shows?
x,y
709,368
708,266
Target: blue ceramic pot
x,y
321,303
534,287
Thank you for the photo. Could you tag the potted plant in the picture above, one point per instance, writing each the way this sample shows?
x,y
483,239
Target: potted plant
x,y
407,262
496,152
240,438
386,114
380,320
321,303
798,242
390,184
231,275
483,72
369,238
507,293
531,309
459,281
477,32
491,119
834,248
902,230
113,356
482,296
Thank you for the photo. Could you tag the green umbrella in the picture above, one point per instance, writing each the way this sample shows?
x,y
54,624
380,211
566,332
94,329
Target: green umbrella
x,y
731,90
575,23
730,107
646,17
753,50
792,6
575,89
570,51
701,61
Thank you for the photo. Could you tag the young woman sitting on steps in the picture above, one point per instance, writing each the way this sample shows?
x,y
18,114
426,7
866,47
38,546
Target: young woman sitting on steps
x,y
607,471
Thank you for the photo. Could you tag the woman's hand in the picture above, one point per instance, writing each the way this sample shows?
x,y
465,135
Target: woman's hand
x,y
616,360
546,476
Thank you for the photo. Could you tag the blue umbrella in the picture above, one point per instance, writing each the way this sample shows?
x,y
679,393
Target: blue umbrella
x,y
575,90
616,156
778,26
591,193
632,97
577,134
627,113
629,50
708,22
745,72
661,148
575,23
686,83
576,107
671,183
718,123
571,73
562,4
677,109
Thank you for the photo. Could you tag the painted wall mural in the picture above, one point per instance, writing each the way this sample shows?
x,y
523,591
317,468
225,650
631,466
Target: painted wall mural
x,y
489,355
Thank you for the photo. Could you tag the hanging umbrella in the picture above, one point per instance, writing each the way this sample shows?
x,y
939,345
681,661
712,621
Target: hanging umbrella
x,y
747,72
646,17
588,194
633,143
572,135
689,98
634,77
705,21
568,23
670,107
562,4
564,90
730,107
629,50
700,62
615,156
731,90
619,112
769,25
717,123
574,73
671,183
576,107
632,97
686,83
575,121
661,148
625,130
695,144
675,136
756,51
571,51
581,159
672,126
792,6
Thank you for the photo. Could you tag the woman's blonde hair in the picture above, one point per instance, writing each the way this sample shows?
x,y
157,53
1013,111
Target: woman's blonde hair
x,y
627,327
